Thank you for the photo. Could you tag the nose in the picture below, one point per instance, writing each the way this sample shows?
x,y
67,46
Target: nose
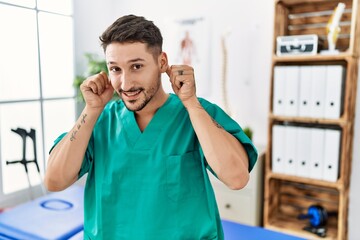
x,y
125,82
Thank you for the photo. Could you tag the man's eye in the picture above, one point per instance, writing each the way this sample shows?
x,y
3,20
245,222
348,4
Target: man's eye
x,y
114,69
136,66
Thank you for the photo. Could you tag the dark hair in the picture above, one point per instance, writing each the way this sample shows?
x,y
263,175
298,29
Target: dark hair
x,y
131,28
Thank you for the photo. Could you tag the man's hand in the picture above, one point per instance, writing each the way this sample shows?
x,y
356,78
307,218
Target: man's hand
x,y
97,90
183,83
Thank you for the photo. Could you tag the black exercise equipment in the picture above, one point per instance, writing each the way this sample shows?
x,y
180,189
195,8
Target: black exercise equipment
x,y
319,231
316,214
24,134
318,217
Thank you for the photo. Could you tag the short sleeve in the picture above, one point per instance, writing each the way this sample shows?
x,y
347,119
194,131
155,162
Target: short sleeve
x,y
88,158
233,128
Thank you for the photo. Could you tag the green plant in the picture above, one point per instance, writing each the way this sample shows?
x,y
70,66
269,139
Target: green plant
x,y
249,132
94,66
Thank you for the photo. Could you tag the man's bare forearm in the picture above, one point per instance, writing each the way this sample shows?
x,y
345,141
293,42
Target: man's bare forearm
x,y
224,153
66,158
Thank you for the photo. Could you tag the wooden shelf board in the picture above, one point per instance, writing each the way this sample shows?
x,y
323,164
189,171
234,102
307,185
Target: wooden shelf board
x,y
316,182
293,226
294,2
341,122
312,58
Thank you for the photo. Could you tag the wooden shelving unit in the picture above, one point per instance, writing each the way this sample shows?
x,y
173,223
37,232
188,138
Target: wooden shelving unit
x,y
315,58
287,196
336,185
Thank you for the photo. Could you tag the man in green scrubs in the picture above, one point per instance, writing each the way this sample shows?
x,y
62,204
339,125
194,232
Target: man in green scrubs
x,y
147,155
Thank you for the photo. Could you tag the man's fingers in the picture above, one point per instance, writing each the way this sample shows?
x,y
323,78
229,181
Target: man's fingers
x,y
100,86
92,85
98,83
168,71
96,86
175,88
179,80
104,80
104,77
180,74
176,70
109,91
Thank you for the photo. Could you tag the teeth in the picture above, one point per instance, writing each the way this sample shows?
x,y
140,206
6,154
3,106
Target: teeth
x,y
130,94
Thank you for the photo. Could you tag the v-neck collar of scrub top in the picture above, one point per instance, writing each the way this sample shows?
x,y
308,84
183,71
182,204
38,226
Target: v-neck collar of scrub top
x,y
147,138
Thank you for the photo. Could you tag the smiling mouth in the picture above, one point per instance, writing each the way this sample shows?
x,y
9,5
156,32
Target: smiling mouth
x,y
132,94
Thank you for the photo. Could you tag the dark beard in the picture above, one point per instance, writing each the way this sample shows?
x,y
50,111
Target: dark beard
x,y
142,105
148,96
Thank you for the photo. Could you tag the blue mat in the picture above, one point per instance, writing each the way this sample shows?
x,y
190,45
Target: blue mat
x,y
235,231
60,216
54,216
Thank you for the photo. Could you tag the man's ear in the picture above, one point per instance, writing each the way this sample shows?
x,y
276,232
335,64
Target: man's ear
x,y
163,62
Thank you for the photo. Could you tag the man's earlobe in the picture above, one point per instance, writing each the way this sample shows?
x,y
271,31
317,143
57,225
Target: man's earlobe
x,y
163,62
164,67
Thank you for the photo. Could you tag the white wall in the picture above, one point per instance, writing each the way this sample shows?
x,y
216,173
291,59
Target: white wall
x,y
249,46
249,50
91,18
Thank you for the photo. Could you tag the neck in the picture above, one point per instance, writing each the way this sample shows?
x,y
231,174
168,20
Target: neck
x,y
144,116
156,102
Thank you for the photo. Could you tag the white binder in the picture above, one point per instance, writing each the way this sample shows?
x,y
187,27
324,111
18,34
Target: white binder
x,y
331,155
290,150
305,91
317,153
292,91
279,90
334,90
278,148
303,154
318,91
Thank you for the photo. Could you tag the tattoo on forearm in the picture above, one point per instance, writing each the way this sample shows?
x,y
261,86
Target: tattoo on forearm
x,y
72,138
217,124
73,134
83,118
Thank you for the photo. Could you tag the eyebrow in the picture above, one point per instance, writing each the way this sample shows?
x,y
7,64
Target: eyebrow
x,y
130,61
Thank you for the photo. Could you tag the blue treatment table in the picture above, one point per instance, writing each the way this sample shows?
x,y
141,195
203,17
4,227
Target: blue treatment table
x,y
57,215
60,216
236,231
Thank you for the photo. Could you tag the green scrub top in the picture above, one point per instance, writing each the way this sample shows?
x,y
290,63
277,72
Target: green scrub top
x,y
152,184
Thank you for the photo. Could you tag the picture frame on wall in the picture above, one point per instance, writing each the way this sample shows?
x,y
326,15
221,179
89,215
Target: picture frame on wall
x,y
187,42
